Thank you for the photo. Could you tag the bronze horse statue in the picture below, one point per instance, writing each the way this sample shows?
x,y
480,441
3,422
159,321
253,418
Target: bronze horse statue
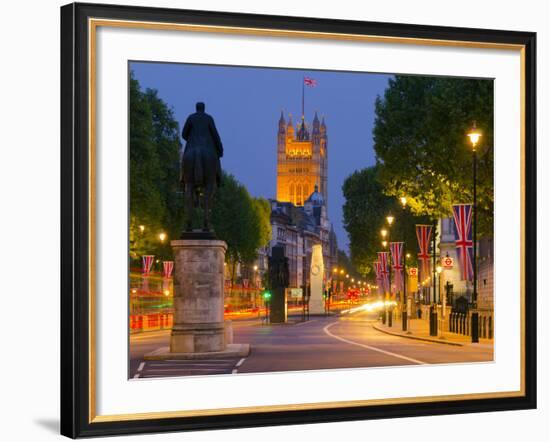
x,y
200,165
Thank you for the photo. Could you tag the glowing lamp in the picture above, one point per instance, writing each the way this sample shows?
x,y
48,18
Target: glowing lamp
x,y
474,135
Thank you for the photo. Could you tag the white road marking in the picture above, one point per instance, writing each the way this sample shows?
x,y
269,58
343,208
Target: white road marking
x,y
325,329
141,366
237,365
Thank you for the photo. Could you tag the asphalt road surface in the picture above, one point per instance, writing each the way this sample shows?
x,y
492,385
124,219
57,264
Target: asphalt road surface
x,y
348,341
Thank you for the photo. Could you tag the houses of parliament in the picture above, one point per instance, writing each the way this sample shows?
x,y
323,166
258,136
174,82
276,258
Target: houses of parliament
x,y
302,160
299,217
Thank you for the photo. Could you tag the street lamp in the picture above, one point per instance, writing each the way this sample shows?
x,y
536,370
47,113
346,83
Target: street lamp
x,y
474,135
439,269
386,234
162,236
404,312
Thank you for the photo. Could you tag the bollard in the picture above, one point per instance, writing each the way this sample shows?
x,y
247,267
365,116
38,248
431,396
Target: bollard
x,y
474,326
433,321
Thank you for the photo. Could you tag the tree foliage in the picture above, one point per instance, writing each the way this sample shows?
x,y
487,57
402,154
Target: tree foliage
x,y
154,169
365,212
422,149
241,221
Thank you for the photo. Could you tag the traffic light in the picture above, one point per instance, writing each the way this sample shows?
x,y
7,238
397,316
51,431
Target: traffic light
x,y
267,296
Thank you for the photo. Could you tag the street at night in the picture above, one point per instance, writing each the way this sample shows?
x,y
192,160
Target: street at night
x,y
344,341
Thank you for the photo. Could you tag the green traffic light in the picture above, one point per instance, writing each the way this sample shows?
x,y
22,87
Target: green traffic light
x,y
267,295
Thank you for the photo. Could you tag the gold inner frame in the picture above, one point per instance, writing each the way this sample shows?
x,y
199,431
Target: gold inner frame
x,y
93,24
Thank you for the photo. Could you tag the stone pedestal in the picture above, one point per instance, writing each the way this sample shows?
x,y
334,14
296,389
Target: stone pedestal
x,y
199,330
278,306
317,271
198,296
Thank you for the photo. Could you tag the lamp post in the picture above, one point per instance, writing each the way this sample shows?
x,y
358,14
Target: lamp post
x,y
404,313
390,219
441,321
433,306
474,135
386,234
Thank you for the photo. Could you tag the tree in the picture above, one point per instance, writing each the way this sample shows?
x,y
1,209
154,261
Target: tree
x,y
263,211
422,149
365,212
345,264
242,222
154,172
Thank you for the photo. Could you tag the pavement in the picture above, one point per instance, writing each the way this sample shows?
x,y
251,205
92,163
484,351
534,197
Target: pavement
x,y
333,342
419,329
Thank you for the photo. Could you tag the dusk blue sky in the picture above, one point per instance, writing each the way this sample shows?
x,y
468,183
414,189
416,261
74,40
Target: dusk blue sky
x,y
246,104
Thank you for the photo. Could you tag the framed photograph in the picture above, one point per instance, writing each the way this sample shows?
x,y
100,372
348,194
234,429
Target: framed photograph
x,y
273,220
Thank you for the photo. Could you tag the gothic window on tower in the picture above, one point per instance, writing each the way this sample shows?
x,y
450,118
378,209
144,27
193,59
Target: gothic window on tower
x,y
306,192
291,194
299,194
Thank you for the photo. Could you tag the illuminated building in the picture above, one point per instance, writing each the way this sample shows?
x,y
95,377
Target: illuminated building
x,y
302,160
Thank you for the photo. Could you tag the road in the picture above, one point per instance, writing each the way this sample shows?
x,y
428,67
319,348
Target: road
x,y
348,341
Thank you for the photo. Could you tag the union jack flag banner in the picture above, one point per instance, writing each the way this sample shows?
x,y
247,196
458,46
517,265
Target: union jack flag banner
x,y
379,281
147,263
384,273
462,214
423,234
396,249
167,267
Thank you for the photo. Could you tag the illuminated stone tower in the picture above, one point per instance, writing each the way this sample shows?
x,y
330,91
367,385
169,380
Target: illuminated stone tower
x,y
302,160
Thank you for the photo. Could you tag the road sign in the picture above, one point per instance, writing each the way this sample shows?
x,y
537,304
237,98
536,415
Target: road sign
x,y
295,293
447,262
413,271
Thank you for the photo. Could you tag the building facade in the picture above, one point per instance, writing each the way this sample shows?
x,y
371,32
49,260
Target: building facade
x,y
302,160
299,217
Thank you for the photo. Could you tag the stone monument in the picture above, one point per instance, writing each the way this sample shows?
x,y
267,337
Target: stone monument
x,y
199,329
317,271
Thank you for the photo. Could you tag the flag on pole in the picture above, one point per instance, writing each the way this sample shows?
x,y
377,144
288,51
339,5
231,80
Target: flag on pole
x,y
383,260
423,234
167,267
310,82
462,214
377,269
147,263
396,249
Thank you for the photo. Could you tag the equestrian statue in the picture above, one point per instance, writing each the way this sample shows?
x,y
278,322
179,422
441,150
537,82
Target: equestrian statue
x,y
201,171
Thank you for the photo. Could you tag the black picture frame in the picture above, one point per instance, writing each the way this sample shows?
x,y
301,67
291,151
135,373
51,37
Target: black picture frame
x,y
75,221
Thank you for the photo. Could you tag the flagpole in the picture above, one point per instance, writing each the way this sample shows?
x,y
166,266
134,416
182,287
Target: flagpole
x,y
303,81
